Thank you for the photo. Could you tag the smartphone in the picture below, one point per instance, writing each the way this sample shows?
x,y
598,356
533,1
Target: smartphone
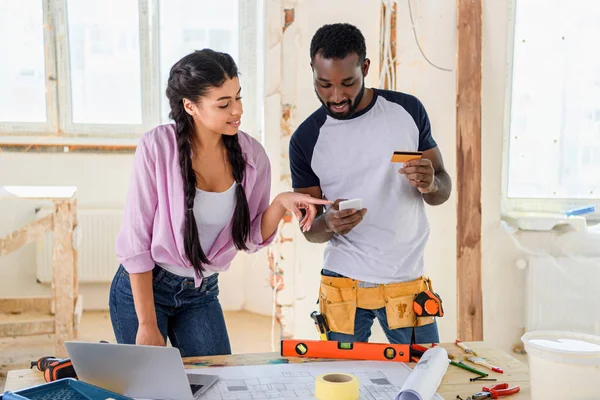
x,y
351,204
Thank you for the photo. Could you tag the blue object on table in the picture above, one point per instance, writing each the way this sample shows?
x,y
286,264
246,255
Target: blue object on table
x,y
580,211
64,389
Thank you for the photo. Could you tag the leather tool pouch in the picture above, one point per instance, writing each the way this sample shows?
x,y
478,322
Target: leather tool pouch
x,y
339,298
337,302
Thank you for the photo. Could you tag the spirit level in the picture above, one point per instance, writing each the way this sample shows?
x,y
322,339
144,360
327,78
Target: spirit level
x,y
342,350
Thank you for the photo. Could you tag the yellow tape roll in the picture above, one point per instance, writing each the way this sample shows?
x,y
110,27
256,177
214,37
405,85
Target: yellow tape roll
x,y
338,386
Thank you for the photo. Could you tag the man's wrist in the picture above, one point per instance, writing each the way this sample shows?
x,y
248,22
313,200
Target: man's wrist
x,y
434,187
326,223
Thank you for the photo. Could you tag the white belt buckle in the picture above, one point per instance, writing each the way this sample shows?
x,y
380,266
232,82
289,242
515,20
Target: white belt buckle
x,y
367,284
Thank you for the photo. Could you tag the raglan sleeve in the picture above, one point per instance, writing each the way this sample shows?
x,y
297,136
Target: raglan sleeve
x,y
426,141
300,153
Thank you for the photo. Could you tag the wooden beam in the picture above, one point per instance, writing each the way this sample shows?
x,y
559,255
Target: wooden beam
x,y
38,192
26,234
23,305
468,160
68,148
78,301
29,324
393,10
63,273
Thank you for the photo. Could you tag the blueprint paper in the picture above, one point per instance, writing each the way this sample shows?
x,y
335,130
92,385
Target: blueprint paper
x,y
426,376
378,380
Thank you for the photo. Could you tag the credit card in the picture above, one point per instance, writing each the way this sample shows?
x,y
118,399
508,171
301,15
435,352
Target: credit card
x,y
404,156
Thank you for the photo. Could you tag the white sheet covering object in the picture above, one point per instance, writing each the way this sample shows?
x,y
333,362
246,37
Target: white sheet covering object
x,y
426,376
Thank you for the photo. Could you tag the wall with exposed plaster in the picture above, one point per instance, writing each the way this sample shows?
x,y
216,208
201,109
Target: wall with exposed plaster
x,y
290,99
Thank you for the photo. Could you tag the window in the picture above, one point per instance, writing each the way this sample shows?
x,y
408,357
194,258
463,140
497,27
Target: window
x,y
97,71
552,157
185,26
104,62
22,70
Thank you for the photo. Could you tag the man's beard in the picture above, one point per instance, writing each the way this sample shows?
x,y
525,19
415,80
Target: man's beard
x,y
353,104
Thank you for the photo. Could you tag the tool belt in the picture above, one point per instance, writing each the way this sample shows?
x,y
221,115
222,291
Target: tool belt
x,y
339,298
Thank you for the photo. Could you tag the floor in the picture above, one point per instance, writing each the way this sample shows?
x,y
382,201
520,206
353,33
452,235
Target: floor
x,y
248,333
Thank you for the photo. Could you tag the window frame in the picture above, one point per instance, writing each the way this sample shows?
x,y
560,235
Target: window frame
x,y
59,128
511,205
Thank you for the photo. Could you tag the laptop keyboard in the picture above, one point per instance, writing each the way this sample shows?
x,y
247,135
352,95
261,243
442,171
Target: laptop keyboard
x,y
196,388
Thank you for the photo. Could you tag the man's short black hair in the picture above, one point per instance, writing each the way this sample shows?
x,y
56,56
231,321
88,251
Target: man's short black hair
x,y
338,41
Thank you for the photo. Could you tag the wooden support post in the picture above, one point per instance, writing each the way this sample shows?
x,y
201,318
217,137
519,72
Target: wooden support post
x,y
78,311
64,273
468,160
26,234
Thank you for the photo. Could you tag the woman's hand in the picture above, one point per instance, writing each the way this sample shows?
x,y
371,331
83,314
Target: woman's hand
x,y
149,335
295,202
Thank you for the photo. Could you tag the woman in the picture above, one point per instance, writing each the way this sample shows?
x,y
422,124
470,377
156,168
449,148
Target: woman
x,y
199,192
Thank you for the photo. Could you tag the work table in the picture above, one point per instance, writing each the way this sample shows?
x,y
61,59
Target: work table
x,y
455,382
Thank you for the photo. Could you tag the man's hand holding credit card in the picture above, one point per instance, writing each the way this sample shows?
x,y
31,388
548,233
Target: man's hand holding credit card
x,y
418,170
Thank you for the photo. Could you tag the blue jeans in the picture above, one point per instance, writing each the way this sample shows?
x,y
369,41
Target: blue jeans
x,y
364,322
191,317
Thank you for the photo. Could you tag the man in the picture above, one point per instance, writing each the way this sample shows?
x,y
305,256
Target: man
x,y
373,264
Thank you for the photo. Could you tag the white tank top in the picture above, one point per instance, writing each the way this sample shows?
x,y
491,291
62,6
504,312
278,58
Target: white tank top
x,y
212,210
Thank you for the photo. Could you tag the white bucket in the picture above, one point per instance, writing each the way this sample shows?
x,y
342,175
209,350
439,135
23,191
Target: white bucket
x,y
563,365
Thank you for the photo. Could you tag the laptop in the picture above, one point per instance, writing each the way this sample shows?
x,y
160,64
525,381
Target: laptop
x,y
143,372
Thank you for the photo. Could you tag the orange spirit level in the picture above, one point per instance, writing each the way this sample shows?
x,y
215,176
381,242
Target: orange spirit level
x,y
341,350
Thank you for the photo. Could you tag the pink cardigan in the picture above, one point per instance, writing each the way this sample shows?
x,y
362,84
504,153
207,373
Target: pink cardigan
x,y
152,229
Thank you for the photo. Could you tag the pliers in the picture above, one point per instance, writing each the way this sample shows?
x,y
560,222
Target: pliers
x,y
494,392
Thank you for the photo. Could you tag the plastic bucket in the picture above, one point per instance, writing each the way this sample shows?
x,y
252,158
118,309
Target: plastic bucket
x,y
563,365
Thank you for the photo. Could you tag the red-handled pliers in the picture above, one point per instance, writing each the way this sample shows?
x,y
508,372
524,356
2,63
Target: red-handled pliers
x,y
495,392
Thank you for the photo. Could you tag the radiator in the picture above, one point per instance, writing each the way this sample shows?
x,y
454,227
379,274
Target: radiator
x,y
562,294
96,258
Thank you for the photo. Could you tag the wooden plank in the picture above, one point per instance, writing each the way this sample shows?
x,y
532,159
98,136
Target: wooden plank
x,y
468,163
78,313
26,234
38,192
31,323
70,141
25,304
18,379
53,148
63,274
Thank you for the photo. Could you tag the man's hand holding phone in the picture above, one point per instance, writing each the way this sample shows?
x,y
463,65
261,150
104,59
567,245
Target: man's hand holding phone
x,y
344,215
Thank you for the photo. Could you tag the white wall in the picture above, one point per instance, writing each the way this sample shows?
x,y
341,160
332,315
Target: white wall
x,y
435,22
503,284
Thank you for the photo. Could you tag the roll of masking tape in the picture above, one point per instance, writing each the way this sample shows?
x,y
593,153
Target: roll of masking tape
x,y
336,386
